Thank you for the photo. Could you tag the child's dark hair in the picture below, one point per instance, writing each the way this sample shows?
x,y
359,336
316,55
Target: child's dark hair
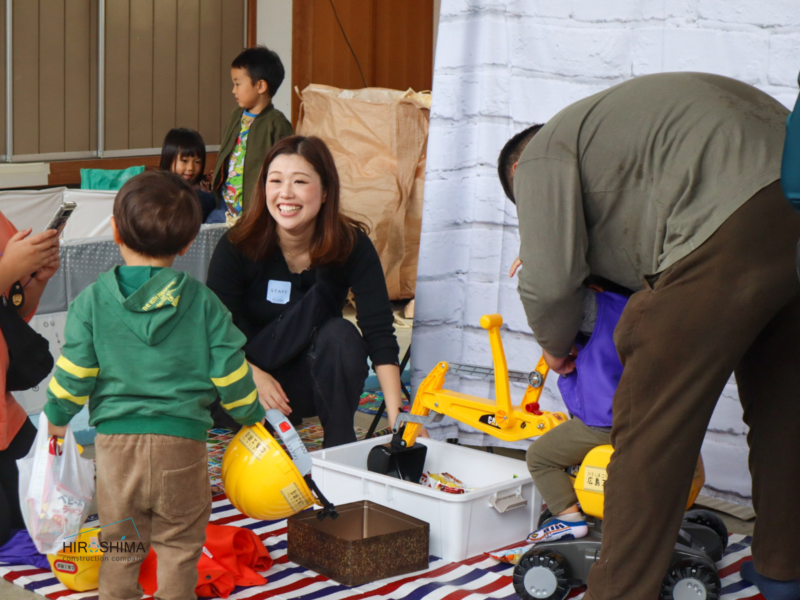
x,y
157,214
261,63
184,143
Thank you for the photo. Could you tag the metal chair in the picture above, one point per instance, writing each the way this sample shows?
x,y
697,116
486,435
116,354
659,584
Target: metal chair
x,y
374,425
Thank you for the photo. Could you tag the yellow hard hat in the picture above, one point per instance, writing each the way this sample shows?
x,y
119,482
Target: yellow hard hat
x,y
259,477
78,565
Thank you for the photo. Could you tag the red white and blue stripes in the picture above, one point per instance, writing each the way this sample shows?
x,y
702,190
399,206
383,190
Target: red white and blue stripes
x,y
477,578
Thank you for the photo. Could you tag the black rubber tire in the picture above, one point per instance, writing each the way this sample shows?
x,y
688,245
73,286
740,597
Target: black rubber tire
x,y
546,514
542,557
691,569
710,520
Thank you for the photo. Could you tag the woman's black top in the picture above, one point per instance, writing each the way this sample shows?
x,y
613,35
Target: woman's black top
x,y
241,284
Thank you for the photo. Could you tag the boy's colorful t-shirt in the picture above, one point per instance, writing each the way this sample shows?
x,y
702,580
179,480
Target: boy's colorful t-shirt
x,y
232,194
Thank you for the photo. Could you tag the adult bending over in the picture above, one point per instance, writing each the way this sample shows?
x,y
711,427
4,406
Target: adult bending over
x,y
667,184
284,272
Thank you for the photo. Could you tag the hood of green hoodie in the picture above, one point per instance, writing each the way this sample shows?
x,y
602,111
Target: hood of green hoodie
x,y
152,311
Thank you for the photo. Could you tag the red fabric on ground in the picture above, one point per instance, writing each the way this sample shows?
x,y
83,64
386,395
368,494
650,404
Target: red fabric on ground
x,y
232,556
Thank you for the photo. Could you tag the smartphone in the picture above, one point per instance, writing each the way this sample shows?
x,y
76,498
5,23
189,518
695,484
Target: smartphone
x,y
63,213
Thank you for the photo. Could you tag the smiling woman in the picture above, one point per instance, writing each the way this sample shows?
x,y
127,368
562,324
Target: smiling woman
x,y
284,272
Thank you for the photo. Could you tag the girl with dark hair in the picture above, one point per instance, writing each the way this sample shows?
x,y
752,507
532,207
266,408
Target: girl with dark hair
x,y
184,153
284,271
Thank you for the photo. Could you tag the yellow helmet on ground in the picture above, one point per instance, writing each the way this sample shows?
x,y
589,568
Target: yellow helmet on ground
x,y
78,565
259,477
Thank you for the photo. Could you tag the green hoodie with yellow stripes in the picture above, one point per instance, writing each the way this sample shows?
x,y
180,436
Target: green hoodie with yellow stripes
x,y
150,349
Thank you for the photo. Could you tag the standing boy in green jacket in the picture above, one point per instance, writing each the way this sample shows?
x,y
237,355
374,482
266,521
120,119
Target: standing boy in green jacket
x,y
150,349
253,129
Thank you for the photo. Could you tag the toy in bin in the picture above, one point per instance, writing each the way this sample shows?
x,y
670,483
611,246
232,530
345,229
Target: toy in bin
x,y
549,570
262,481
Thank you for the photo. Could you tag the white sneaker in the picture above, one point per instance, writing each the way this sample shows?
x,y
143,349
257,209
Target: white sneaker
x,y
556,529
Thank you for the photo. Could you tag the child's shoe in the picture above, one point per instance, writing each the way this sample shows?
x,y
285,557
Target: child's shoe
x,y
556,529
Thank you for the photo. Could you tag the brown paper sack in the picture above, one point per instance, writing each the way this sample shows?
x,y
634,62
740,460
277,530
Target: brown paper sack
x,y
378,138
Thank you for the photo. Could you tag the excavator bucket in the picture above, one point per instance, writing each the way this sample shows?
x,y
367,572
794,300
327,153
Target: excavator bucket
x,y
403,457
397,460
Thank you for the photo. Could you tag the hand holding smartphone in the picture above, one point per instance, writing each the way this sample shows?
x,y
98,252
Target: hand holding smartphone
x,y
57,222
62,214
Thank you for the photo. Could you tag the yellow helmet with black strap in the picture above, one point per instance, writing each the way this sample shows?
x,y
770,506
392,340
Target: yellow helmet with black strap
x,y
260,478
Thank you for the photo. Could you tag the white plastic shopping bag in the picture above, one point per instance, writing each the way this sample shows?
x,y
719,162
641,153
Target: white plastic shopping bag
x,y
56,487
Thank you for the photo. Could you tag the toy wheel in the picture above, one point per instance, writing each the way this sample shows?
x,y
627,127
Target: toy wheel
x,y
690,580
546,514
542,574
710,520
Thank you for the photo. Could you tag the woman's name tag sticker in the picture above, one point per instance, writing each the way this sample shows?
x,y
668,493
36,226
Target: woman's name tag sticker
x,y
278,292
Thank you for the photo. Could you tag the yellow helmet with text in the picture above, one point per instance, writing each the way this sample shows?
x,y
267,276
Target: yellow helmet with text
x,y
260,478
77,566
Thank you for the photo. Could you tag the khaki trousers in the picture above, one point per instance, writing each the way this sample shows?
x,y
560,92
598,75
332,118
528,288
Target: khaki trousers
x,y
732,305
559,448
154,489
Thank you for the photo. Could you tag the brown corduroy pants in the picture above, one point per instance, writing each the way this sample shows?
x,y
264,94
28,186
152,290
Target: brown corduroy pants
x,y
154,489
732,305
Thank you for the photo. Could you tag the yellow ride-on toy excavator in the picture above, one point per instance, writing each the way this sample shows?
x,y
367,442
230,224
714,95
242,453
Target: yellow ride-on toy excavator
x,y
550,569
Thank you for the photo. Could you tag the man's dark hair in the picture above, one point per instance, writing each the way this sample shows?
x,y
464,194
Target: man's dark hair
x,y
261,63
509,155
158,214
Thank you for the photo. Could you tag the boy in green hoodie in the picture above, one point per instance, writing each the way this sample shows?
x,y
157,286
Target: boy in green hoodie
x,y
150,349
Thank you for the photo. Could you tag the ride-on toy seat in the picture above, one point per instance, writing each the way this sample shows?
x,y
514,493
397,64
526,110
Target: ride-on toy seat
x,y
550,569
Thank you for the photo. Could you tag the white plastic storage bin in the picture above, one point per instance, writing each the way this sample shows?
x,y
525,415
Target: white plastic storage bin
x,y
500,511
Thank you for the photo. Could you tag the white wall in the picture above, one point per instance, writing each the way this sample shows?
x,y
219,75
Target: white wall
x,y
502,65
274,30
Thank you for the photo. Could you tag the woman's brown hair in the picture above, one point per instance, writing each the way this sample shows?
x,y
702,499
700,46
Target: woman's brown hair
x,y
256,233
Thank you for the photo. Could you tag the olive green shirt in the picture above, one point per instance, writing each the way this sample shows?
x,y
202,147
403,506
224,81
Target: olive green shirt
x,y
626,182
269,126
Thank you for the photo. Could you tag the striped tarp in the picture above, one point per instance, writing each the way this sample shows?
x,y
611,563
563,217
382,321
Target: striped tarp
x,y
477,578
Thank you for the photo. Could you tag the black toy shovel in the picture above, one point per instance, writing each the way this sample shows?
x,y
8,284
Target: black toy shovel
x,y
396,459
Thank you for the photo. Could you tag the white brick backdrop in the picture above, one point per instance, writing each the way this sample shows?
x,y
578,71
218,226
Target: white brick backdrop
x,y
501,66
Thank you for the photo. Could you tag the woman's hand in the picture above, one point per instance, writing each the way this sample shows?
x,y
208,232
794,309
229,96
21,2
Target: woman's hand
x,y
392,417
26,253
389,378
45,272
514,266
270,392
